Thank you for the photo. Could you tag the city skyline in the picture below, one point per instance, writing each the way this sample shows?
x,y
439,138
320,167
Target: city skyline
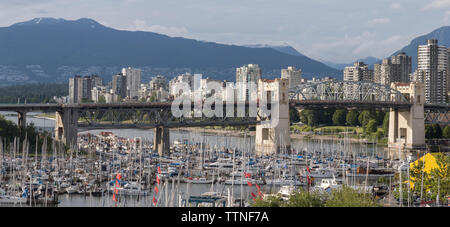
x,y
378,30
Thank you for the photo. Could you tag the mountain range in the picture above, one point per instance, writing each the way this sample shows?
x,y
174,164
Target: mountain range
x,y
368,60
52,50
441,34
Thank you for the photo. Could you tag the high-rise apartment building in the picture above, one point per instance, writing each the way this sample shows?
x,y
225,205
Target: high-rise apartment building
x,y
358,72
133,81
384,72
247,75
75,89
158,82
432,60
396,69
294,75
448,70
176,84
119,85
97,81
402,67
87,87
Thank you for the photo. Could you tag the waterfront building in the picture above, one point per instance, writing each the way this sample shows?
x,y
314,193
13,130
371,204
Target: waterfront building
x,y
432,60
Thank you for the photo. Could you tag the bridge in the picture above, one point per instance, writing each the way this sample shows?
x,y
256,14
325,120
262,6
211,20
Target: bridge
x,y
405,102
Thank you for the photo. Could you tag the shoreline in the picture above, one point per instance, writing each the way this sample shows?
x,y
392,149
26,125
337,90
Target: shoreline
x,y
253,133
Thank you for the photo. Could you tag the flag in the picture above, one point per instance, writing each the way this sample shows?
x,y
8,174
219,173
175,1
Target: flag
x,y
253,194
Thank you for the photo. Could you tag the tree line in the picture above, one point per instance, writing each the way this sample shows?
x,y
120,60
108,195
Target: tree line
x,y
369,120
32,93
9,131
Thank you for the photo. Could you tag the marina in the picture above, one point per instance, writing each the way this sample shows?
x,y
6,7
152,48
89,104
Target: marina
x,y
120,168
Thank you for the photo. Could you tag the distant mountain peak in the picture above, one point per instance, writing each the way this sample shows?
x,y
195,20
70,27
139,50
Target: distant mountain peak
x,y
283,48
40,21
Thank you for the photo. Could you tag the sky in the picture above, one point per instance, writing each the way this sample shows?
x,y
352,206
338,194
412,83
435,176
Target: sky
x,y
338,31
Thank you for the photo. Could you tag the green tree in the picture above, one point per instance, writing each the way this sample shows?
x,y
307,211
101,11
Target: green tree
x,y
446,132
339,117
348,197
429,132
364,117
352,118
304,199
439,180
371,126
270,201
294,115
101,99
386,124
310,117
437,131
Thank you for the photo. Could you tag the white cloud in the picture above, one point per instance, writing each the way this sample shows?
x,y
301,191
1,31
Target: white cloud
x,y
383,20
396,6
140,25
437,4
447,17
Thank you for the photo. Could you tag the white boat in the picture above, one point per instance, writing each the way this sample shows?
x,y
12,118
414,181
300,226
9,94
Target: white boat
x,y
286,191
129,189
201,180
238,181
72,189
328,183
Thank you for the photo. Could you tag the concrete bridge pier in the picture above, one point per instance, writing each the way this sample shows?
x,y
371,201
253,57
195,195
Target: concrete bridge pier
x,y
407,127
22,120
273,134
66,126
161,140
